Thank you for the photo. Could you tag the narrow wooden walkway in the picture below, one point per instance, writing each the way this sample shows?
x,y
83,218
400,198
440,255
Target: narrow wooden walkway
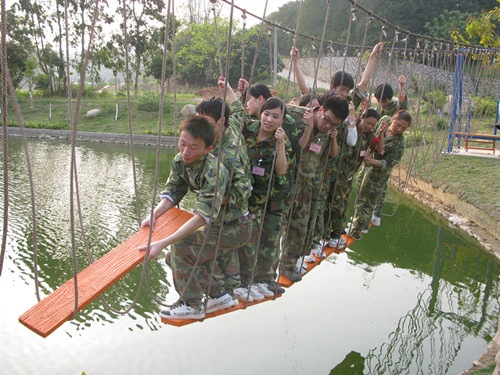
x,y
58,307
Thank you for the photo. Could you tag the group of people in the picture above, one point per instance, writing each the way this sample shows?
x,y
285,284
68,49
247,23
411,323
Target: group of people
x,y
272,182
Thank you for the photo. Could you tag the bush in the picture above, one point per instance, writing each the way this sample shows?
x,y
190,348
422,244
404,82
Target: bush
x,y
57,125
484,106
148,102
436,98
418,137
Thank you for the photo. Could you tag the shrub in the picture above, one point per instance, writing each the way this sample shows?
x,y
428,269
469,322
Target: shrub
x,y
149,102
484,106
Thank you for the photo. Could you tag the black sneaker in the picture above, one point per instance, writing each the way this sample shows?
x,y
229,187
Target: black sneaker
x,y
274,287
291,275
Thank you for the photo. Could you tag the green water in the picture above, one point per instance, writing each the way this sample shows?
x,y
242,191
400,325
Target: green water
x,y
414,296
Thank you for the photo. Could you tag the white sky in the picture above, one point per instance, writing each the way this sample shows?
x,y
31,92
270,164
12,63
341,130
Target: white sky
x,y
253,6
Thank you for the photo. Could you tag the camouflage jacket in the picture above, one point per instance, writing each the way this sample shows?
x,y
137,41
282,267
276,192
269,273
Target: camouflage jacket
x,y
199,177
235,159
261,156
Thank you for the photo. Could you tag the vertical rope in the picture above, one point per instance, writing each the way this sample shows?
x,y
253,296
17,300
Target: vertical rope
x,y
294,43
257,44
243,17
219,57
325,23
5,136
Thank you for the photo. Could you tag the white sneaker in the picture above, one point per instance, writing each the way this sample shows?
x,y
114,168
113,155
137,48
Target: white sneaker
x,y
264,290
337,243
222,302
300,266
310,258
318,251
242,294
255,293
364,231
182,310
349,228
376,221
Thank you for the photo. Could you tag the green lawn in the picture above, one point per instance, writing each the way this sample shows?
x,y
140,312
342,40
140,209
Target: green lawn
x,y
143,113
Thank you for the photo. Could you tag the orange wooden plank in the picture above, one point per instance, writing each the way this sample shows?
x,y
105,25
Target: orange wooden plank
x,y
58,307
241,305
286,282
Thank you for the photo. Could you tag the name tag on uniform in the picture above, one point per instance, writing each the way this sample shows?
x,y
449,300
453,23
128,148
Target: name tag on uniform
x,y
314,147
259,171
362,153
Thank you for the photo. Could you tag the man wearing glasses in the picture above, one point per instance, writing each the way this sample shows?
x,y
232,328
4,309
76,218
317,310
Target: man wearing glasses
x,y
318,143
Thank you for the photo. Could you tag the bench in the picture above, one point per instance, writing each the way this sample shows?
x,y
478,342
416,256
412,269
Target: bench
x,y
479,141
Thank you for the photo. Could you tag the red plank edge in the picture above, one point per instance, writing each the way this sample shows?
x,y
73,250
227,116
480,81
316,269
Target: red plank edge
x,y
58,307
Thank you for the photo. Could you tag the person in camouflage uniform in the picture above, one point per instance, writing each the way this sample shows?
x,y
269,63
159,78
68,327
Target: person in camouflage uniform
x,y
377,170
333,182
230,144
351,162
315,144
271,157
387,106
197,241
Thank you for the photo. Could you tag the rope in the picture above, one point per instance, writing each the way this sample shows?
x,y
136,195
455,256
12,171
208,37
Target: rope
x,y
5,135
219,58
258,41
244,17
325,22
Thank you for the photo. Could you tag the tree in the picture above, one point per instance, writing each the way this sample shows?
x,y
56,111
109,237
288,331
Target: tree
x,y
144,34
486,27
446,24
16,60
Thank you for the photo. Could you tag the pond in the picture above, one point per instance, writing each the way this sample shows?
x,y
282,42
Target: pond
x,y
413,296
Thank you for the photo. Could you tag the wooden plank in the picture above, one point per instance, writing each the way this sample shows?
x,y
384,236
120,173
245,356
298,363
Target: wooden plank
x,y
286,282
58,307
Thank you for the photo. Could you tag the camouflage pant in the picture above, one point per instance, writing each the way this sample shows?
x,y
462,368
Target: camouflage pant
x,y
296,238
192,283
372,185
262,251
380,203
317,222
336,205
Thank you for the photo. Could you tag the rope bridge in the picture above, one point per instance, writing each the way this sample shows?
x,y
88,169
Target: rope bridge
x,y
433,64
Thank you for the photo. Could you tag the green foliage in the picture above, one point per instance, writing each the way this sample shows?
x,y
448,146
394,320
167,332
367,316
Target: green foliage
x,y
43,124
149,102
42,84
447,23
419,137
485,28
441,123
484,106
436,98
170,133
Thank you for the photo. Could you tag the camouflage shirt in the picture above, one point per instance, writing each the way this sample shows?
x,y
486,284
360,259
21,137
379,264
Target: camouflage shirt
x,y
394,147
235,159
201,178
262,154
393,107
314,156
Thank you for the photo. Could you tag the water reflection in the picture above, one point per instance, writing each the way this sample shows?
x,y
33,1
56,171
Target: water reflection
x,y
461,300
413,296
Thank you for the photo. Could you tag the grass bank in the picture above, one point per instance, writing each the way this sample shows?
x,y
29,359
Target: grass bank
x,y
52,113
